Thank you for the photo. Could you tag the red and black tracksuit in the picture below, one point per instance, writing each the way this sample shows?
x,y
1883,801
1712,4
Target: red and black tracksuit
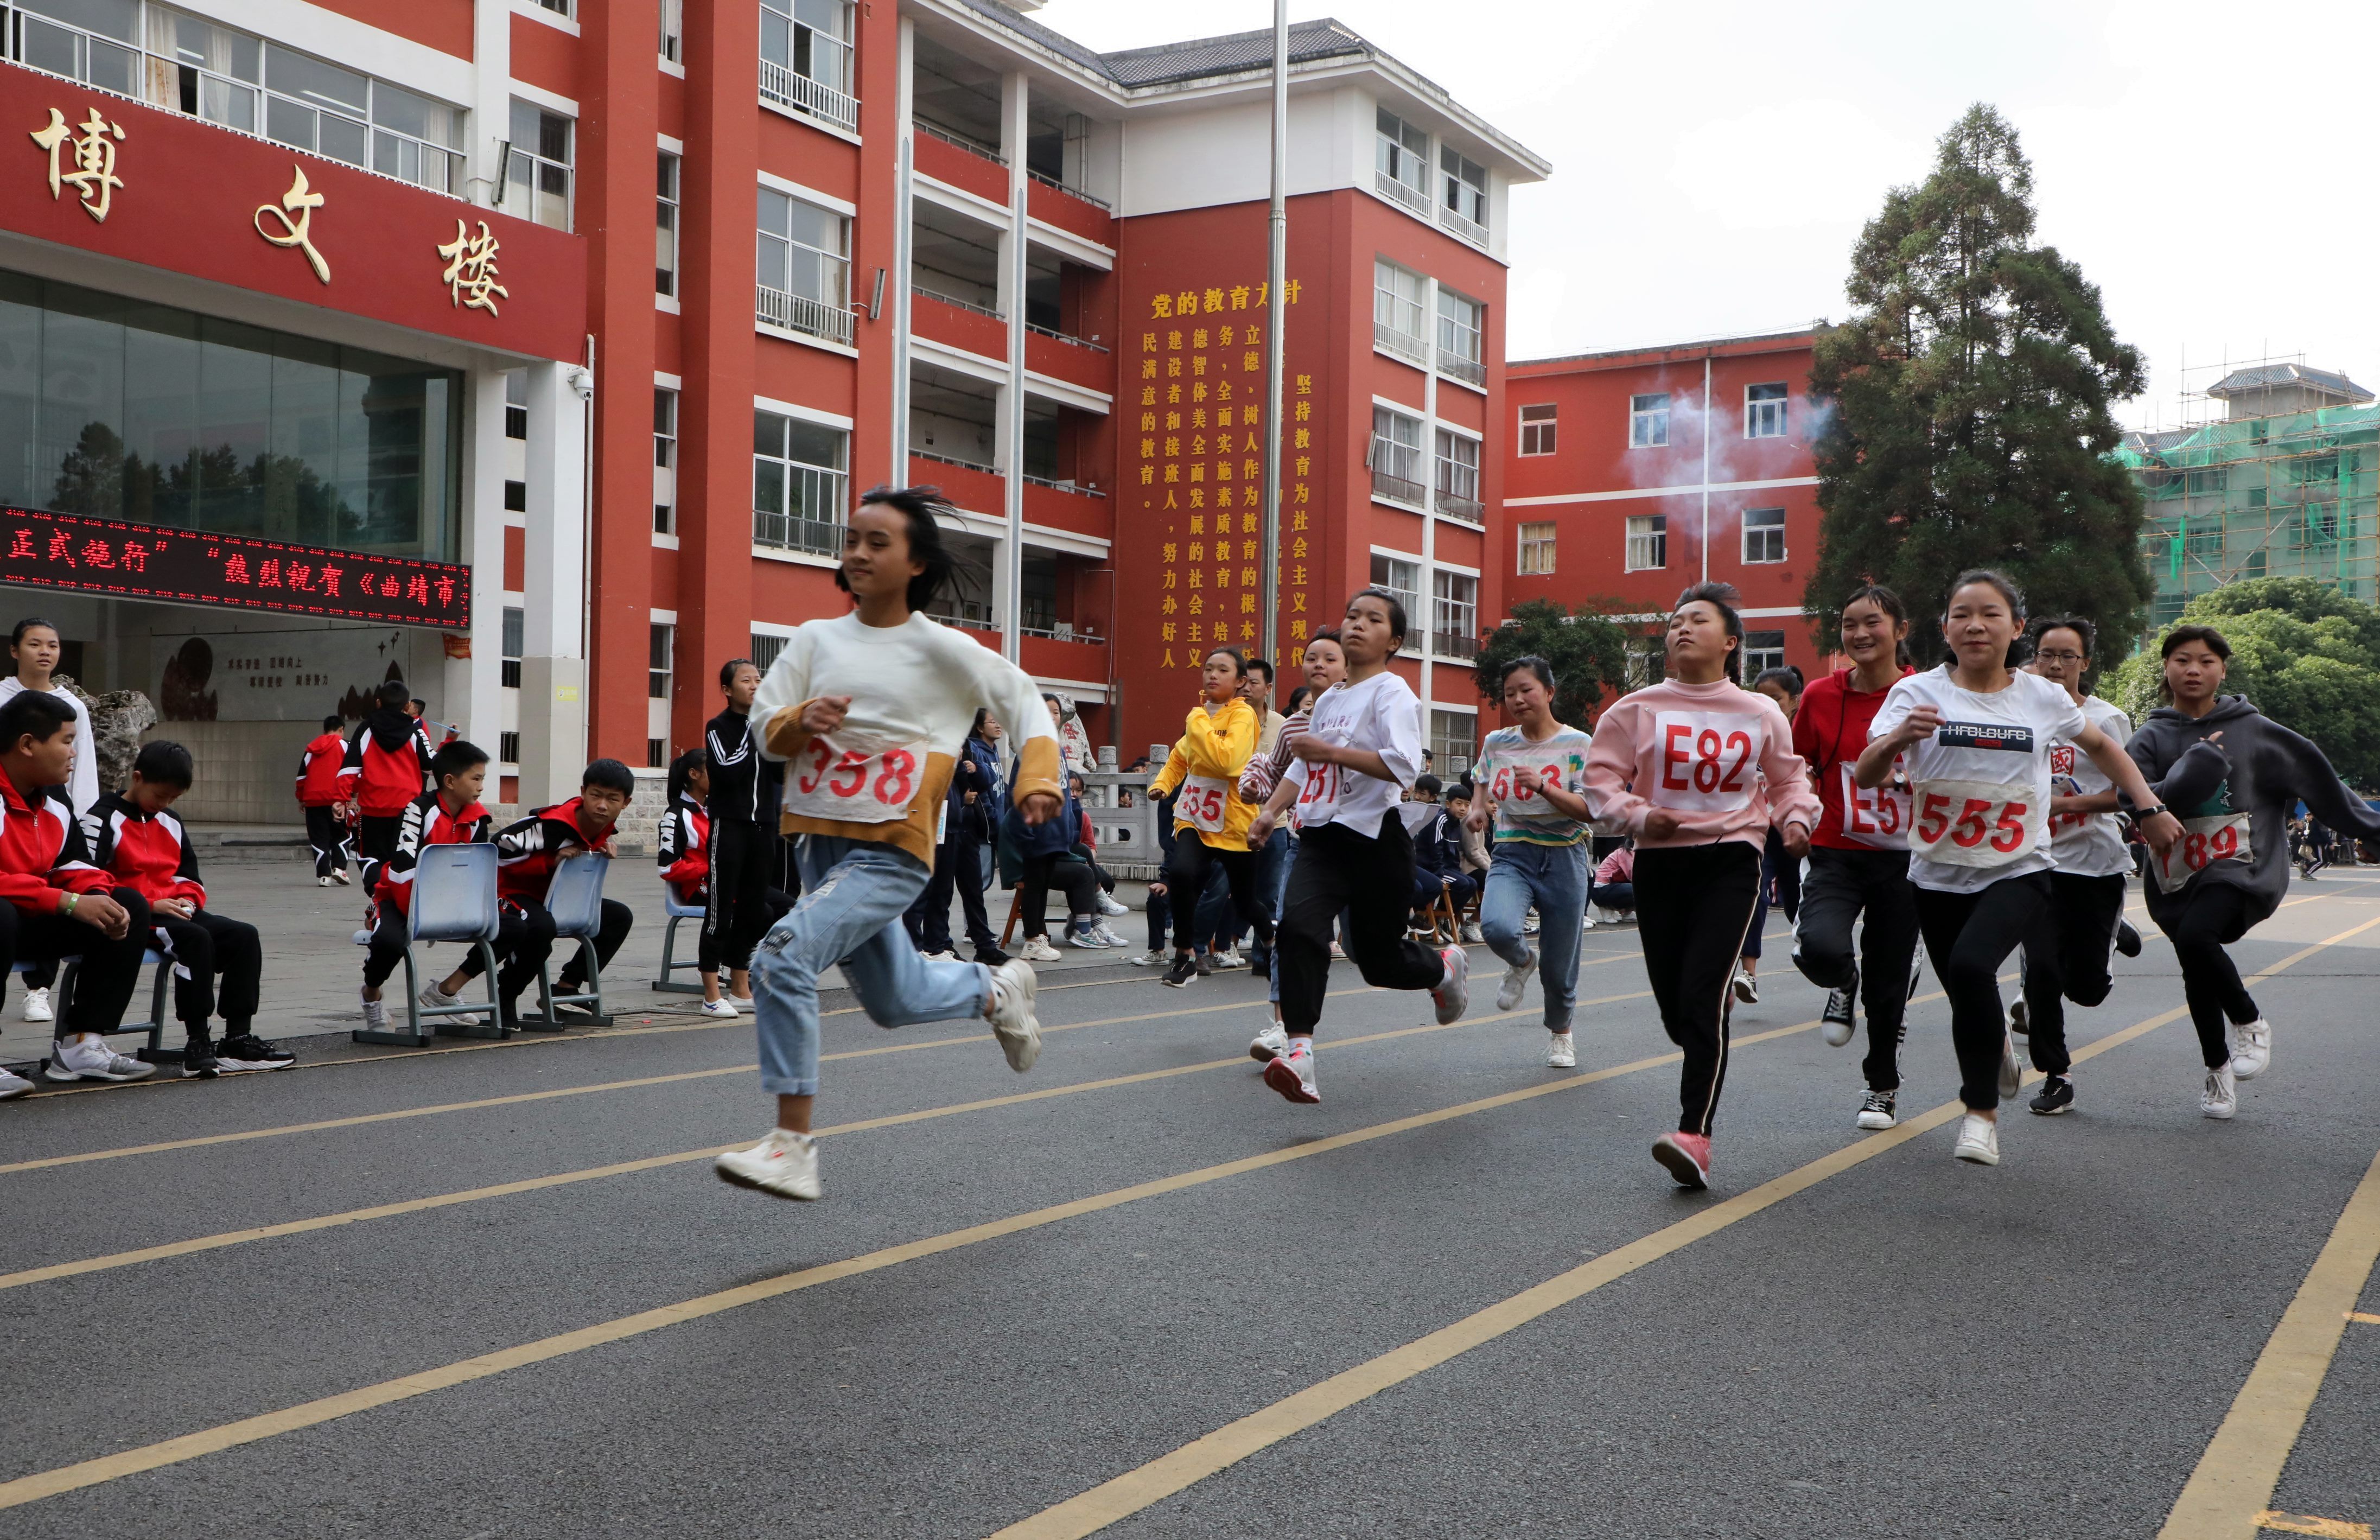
x,y
744,901
319,794
684,859
42,859
526,850
426,821
387,766
151,853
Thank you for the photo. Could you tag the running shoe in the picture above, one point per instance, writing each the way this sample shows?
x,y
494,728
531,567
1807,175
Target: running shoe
x,y
2252,1050
198,1060
1880,1111
86,1056
1291,1075
321,882
719,1010
2018,1025
2128,940
1108,937
244,1052
1153,958
1516,982
338,877
375,1015
1686,1156
1269,1044
433,995
1085,938
13,1085
1840,1021
1037,949
1183,974
1013,1021
2011,1073
1228,958
2220,1096
37,1006
1979,1140
2056,1095
1204,962
1529,924
1108,905
1614,916
1562,1051
1747,987
945,956
1471,934
1454,992
784,1165
991,956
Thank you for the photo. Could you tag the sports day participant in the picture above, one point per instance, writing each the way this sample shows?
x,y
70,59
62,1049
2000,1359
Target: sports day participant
x,y
2068,960
1699,770
318,793
2232,774
1325,666
1211,818
1360,750
1859,854
870,711
1977,736
1531,779
684,859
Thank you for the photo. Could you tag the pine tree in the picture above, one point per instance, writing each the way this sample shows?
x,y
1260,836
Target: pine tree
x,y
1966,403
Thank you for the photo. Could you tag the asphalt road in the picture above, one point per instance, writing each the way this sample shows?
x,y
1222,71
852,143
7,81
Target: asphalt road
x,y
1456,1299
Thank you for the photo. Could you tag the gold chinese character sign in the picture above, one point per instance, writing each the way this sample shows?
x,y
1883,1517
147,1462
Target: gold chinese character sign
x,y
471,273
295,216
92,159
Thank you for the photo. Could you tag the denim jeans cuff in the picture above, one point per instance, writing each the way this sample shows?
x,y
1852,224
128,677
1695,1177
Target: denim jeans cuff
x,y
778,1086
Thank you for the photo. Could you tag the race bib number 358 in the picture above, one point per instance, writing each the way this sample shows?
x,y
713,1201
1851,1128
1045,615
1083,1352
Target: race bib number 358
x,y
1975,823
1706,761
854,780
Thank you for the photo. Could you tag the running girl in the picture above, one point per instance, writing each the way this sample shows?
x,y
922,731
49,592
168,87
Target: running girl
x,y
1859,853
1532,783
1211,818
2232,772
2086,838
1360,750
1699,770
871,710
1978,737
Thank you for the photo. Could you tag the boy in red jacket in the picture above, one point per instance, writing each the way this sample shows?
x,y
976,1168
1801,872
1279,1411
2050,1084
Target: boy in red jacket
x,y
58,904
318,793
135,838
449,816
387,762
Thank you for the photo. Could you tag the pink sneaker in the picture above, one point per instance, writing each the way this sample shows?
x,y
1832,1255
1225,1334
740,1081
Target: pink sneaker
x,y
1453,992
1687,1157
1291,1075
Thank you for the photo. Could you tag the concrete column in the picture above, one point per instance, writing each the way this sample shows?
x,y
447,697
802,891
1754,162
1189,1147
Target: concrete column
x,y
1010,419
474,684
904,219
491,103
554,655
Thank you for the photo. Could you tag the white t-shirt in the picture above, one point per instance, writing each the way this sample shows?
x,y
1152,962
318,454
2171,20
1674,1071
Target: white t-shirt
x,y
2092,844
82,781
1382,714
1979,787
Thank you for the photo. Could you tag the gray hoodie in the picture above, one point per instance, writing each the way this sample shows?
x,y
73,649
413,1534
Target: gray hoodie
x,y
2258,767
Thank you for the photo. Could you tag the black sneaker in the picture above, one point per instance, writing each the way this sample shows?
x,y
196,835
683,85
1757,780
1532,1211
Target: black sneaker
x,y
198,1060
2057,1094
1260,965
2128,940
990,957
1205,964
1182,972
1839,1020
2016,1023
1878,1110
247,1051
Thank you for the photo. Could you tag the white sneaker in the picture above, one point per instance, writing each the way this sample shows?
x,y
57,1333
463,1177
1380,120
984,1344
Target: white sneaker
x,y
1107,938
2252,1050
2011,1073
86,1056
1454,992
1562,1051
1293,1075
942,957
1085,939
1037,949
338,877
37,1006
2220,1097
784,1165
1108,905
1612,916
1471,934
719,1010
1155,959
1013,1021
321,882
13,1085
1229,958
376,1015
1516,982
1269,1044
1747,987
433,995
1979,1140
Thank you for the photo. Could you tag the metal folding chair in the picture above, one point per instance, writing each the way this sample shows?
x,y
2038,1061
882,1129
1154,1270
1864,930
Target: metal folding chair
x,y
454,900
575,899
671,961
155,1052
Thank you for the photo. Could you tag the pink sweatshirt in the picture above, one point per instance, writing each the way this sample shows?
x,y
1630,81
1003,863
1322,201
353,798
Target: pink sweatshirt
x,y
1719,756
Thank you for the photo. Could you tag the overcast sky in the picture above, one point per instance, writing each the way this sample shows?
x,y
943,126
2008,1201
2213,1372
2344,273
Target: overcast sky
x,y
2211,167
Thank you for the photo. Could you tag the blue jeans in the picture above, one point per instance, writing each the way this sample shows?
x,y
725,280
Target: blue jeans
x,y
1273,878
854,893
1554,878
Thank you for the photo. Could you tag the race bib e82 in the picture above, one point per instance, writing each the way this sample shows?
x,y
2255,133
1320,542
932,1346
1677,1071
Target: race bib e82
x,y
1975,823
852,780
2203,842
1875,815
1705,761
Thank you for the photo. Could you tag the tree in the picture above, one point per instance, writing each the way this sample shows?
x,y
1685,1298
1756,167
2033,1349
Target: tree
x,y
1965,406
2305,654
1587,651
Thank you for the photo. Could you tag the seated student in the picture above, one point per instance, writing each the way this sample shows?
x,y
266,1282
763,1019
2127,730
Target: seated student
x,y
684,859
1470,858
1438,858
1611,892
448,816
526,851
135,838
59,904
1047,853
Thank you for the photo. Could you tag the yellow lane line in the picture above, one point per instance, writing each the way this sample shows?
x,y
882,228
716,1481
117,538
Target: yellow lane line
x,y
272,1425
2300,1524
2363,1318
655,1162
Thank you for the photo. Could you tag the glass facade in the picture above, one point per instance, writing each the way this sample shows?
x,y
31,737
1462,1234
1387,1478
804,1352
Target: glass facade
x,y
118,408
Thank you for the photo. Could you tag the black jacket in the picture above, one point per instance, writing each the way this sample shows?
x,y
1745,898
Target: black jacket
x,y
744,788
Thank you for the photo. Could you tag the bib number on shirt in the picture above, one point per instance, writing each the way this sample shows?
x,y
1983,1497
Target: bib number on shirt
x,y
1975,823
854,781
2203,842
1203,802
1706,761
1875,815
1520,782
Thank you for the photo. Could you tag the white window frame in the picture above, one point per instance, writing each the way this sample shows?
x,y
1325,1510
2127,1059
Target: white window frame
x,y
1452,614
673,37
536,174
1766,417
1463,193
1399,318
1765,657
511,642
1648,421
1395,457
1455,478
660,636
669,170
1452,756
825,89
665,447
1461,336
1540,435
826,314
1408,592
1648,543
1764,543
1536,535
1400,166
821,487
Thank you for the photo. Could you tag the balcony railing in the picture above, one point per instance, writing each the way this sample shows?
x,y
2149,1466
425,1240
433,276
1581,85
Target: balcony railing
x,y
802,94
967,142
796,312
1078,490
1068,339
1071,191
1469,510
953,460
1396,489
1405,345
1402,193
1475,234
1453,644
1471,371
1064,631
964,622
812,536
953,300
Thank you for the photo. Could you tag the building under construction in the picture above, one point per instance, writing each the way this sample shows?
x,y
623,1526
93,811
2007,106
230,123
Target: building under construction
x,y
2285,485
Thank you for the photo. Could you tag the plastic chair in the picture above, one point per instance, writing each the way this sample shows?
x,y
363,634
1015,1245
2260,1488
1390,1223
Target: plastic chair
x,y
454,900
671,963
575,898
155,1052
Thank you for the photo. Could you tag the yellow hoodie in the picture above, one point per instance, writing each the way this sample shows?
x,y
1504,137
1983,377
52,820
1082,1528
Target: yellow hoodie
x,y
1215,748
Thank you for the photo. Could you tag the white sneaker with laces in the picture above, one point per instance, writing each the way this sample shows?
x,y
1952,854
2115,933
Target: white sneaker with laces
x,y
433,995
1516,982
944,956
1086,939
2011,1073
2220,1097
1037,949
37,1006
1108,937
1471,934
321,882
338,877
1153,959
2252,1050
1612,916
13,1085
784,1165
1269,1044
376,1015
1291,1075
1108,905
1230,957
1013,1021
1979,1140
1454,992
1747,987
1562,1051
719,1010
86,1056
